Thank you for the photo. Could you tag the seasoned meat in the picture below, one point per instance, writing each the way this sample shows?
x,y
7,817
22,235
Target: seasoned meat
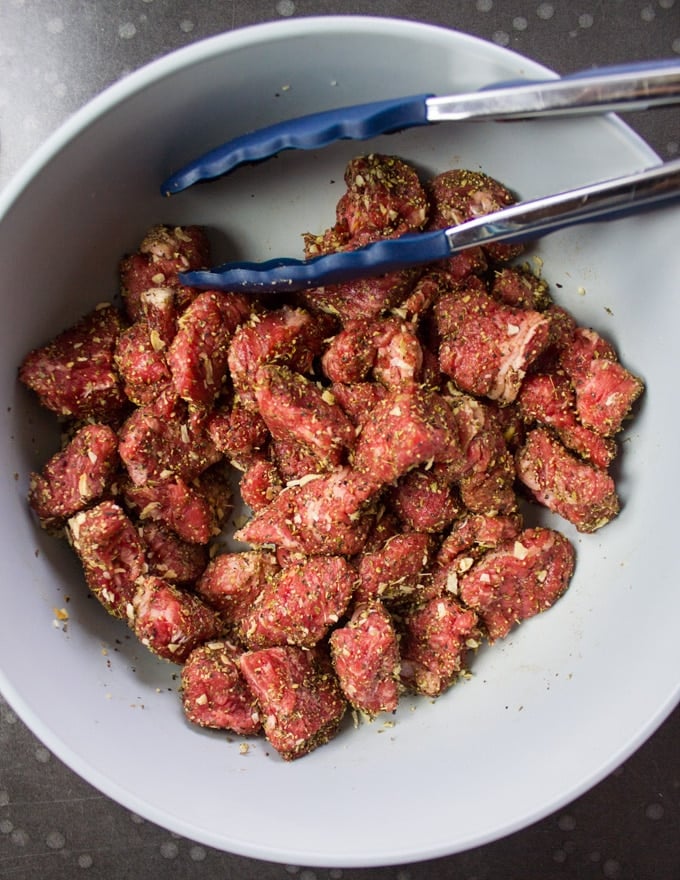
x,y
232,581
183,508
75,477
362,298
397,572
236,431
300,701
260,483
214,693
518,286
171,622
425,499
169,557
140,358
578,491
111,553
75,374
365,654
518,579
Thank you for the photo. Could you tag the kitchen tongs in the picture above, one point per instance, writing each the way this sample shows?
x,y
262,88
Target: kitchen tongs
x,y
525,220
629,87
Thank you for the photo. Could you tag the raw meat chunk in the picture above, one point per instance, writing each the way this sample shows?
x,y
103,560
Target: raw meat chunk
x,y
300,701
397,571
295,409
583,494
425,499
232,581
365,654
485,346
75,375
362,298
214,693
326,515
517,286
75,477
260,483
519,579
236,431
605,390
169,557
171,622
470,538
435,643
358,398
181,507
111,553
300,604
142,365
198,354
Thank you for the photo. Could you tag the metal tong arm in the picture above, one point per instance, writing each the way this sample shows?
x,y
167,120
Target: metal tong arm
x,y
523,221
630,87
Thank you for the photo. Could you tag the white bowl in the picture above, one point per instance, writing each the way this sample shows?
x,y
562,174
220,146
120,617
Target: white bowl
x,y
550,711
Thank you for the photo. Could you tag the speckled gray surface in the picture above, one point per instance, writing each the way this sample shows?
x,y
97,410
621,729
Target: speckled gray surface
x,y
54,56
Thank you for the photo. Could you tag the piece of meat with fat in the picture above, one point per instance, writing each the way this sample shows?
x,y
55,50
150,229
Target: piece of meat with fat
x,y
300,700
237,431
198,354
550,400
141,362
180,506
584,495
231,582
362,298
436,639
169,621
300,603
214,693
75,477
365,655
605,389
487,347
295,409
111,552
169,557
518,579
328,515
397,572
75,374
358,398
425,499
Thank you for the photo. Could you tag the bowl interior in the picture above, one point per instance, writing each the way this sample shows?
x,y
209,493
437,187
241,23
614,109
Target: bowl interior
x,y
550,710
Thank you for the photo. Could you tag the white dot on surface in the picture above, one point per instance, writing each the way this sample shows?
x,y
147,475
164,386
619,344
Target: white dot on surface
x,y
6,826
186,25
85,860
484,5
501,38
197,853
647,13
42,754
4,797
20,837
169,849
545,11
285,7
611,869
566,822
55,840
335,873
675,45
520,23
672,147
126,30
292,869
8,716
559,856
55,26
136,819
654,812
585,20
666,4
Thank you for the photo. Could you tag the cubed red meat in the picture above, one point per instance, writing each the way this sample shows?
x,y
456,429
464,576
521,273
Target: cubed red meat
x,y
75,375
300,701
215,694
576,490
183,508
111,552
198,354
300,604
436,640
358,398
169,621
518,579
397,571
260,483
605,389
327,515
75,477
236,431
520,287
469,538
169,557
425,499
160,312
295,462
232,581
140,359
295,409
362,298
365,654
549,399
485,346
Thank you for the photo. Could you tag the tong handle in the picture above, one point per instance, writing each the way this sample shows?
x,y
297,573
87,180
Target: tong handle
x,y
520,222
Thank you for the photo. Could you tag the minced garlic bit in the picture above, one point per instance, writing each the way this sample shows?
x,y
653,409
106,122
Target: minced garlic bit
x,y
243,749
519,551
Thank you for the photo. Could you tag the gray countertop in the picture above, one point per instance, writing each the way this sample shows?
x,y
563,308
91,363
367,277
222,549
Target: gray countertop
x,y
54,56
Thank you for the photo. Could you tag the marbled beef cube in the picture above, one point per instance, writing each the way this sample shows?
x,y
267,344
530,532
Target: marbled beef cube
x,y
605,389
518,579
111,552
365,654
140,359
397,571
169,621
358,398
232,581
520,287
183,508
260,483
436,639
300,701
578,491
425,499
214,693
169,557
362,297
75,374
236,431
300,603
75,477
